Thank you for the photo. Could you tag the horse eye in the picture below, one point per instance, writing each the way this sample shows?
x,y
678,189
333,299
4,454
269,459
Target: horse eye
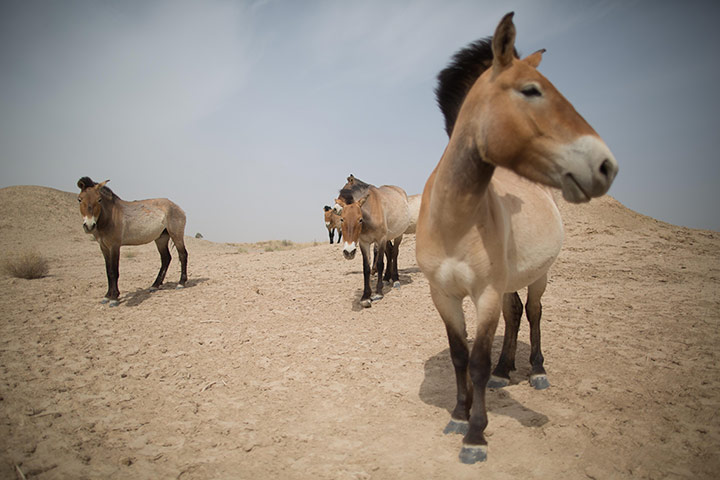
x,y
360,221
79,199
99,199
531,91
342,220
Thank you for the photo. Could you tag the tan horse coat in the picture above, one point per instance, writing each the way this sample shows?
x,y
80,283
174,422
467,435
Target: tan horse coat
x,y
484,231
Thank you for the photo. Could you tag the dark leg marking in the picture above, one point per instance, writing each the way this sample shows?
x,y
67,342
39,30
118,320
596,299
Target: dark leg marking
x,y
512,313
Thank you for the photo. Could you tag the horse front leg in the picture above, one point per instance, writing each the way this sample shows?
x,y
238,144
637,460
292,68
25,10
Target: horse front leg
x,y
512,313
451,312
365,299
533,307
331,234
112,269
380,266
474,447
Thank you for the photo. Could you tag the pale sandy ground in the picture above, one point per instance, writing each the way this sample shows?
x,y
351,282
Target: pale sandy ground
x,y
266,366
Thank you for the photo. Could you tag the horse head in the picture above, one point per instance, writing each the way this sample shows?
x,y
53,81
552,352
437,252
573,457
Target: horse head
x,y
351,222
91,200
517,119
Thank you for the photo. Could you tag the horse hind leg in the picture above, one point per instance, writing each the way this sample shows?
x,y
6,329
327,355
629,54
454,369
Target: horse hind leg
x,y
394,274
179,242
512,313
533,307
162,245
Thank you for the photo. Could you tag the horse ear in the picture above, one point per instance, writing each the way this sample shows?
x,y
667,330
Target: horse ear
x,y
338,207
534,59
327,208
101,184
362,201
351,179
503,43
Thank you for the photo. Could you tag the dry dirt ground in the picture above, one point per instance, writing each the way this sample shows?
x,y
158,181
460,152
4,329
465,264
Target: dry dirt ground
x,y
267,367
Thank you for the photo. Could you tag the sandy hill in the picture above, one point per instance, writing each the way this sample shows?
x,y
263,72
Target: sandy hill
x,y
266,366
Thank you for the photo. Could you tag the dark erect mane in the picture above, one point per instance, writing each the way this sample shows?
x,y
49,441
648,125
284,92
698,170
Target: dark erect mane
x,y
346,195
455,81
87,182
354,190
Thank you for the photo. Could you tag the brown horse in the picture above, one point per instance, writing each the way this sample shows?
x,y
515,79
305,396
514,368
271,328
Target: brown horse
x,y
115,222
332,222
380,217
482,231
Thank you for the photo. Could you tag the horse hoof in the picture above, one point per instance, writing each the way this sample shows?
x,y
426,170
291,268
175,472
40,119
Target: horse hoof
x,y
154,289
539,382
473,454
104,300
114,303
367,303
376,298
396,285
456,426
498,382
179,287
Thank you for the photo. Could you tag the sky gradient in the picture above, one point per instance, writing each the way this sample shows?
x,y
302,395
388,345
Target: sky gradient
x,y
250,115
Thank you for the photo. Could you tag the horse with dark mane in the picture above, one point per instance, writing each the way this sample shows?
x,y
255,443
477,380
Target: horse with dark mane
x,y
114,223
488,226
373,215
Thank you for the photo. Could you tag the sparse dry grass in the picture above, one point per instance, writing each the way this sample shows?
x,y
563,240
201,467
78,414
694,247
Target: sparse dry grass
x,y
26,265
271,246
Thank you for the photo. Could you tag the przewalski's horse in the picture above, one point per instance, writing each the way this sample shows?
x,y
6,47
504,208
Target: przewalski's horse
x,y
115,222
482,231
380,217
332,222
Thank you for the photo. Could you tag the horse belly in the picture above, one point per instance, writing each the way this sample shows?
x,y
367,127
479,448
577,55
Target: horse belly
x,y
145,227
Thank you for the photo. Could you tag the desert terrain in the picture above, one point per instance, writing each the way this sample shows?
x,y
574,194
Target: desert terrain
x,y
266,366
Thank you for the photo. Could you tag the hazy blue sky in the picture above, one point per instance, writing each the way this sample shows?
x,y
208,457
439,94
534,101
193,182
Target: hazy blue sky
x,y
250,115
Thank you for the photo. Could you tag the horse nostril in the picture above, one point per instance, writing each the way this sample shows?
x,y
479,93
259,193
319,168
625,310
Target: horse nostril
x,y
606,168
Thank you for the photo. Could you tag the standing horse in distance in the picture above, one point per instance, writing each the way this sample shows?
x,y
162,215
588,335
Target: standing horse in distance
x,y
115,222
332,222
482,237
379,217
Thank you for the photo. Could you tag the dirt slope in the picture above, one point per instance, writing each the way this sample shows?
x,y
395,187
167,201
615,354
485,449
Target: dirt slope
x,y
266,366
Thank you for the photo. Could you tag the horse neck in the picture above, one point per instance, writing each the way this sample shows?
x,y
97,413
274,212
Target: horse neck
x,y
461,182
371,210
108,218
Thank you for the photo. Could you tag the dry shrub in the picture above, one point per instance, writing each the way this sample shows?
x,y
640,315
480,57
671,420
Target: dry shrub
x,y
27,265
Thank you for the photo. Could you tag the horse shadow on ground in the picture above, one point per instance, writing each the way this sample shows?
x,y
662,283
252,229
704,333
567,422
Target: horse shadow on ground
x,y
388,289
438,387
133,299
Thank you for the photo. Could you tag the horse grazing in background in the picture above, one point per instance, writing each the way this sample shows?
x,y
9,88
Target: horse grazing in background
x,y
115,222
332,222
484,231
379,217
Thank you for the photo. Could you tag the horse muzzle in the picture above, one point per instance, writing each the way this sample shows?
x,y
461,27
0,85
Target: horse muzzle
x,y
89,225
349,250
589,170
